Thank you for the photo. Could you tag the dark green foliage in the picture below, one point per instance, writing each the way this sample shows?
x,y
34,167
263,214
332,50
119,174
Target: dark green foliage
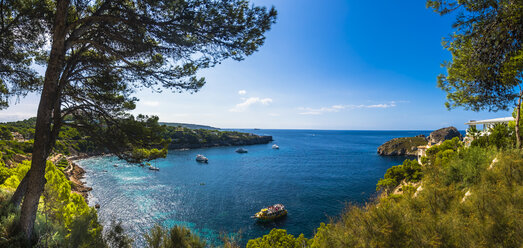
x,y
187,125
466,167
9,216
279,238
176,237
182,137
85,231
410,171
486,47
116,237
25,127
9,148
135,139
499,137
5,133
443,152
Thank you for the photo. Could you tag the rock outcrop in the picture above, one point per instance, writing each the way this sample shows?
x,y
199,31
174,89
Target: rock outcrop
x,y
443,134
401,146
75,173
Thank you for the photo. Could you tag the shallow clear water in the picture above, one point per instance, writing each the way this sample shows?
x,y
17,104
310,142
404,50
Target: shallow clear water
x,y
314,174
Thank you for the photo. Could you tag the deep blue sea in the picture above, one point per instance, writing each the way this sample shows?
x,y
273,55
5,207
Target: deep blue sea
x,y
314,174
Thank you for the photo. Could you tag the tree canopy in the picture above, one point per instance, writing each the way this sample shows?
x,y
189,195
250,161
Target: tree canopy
x,y
487,54
97,54
486,71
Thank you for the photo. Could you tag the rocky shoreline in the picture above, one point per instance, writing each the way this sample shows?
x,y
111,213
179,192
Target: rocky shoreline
x,y
75,174
253,140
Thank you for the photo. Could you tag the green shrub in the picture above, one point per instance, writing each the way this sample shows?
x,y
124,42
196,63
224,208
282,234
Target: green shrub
x,y
279,238
4,173
176,237
63,220
410,171
501,137
116,237
5,133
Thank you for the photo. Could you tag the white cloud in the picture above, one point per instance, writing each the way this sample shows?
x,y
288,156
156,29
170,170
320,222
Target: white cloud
x,y
242,92
241,107
151,103
337,108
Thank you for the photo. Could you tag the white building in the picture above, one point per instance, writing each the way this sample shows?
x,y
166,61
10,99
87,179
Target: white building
x,y
487,124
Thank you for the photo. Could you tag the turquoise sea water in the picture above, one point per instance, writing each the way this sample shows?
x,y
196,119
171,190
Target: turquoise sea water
x,y
314,174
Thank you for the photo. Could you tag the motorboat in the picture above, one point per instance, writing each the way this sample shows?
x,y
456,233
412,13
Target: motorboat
x,y
201,158
275,146
241,150
154,168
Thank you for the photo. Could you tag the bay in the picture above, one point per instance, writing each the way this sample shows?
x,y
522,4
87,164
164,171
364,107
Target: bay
x,y
315,173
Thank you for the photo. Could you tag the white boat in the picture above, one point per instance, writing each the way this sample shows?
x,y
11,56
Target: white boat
x,y
201,158
275,146
241,150
154,168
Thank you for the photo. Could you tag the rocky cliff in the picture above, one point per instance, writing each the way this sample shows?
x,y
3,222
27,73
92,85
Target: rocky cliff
x,y
406,146
409,145
443,134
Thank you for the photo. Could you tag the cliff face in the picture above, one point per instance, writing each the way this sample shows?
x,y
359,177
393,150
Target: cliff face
x,y
230,141
443,134
402,146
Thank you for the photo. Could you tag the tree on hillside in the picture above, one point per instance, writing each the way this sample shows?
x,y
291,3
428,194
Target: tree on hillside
x,y
98,53
486,71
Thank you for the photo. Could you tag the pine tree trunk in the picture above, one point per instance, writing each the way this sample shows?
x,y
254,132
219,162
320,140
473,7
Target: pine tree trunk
x,y
518,114
42,142
17,197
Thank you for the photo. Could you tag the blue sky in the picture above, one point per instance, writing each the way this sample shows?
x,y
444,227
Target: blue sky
x,y
337,64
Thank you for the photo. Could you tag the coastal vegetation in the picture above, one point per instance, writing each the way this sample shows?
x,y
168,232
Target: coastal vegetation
x,y
73,141
486,70
96,54
466,197
182,137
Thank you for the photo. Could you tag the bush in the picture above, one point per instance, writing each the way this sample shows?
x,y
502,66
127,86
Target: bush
x,y
63,220
176,237
278,238
501,137
116,237
410,171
